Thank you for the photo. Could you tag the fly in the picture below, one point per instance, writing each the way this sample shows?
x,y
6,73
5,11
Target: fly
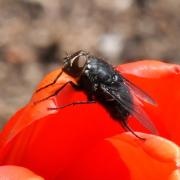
x,y
102,83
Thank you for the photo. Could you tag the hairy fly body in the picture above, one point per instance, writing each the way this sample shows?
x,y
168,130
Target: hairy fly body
x,y
104,84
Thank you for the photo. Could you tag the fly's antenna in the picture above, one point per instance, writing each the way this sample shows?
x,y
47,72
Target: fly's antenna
x,y
67,54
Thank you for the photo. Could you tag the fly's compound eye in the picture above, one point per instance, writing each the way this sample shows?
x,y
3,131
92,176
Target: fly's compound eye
x,y
78,63
75,65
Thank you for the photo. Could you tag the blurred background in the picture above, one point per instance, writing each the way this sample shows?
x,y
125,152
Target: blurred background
x,y
36,34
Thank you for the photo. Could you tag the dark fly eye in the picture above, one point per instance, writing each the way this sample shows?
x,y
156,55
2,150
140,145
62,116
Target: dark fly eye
x,y
78,63
75,65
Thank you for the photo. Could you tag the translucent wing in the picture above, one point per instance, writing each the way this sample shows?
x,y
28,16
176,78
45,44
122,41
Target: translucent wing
x,y
134,109
139,93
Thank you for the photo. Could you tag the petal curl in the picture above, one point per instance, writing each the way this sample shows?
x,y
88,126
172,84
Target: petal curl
x,y
154,158
17,173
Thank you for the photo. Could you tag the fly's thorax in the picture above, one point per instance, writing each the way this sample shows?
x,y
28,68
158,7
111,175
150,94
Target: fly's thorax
x,y
98,71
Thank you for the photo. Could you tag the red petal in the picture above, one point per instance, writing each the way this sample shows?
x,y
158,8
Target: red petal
x,y
17,173
152,69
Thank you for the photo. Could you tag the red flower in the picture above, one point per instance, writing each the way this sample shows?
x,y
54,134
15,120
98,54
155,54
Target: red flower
x,y
84,142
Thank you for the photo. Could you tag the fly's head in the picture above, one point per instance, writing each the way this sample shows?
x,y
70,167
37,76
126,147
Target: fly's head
x,y
75,63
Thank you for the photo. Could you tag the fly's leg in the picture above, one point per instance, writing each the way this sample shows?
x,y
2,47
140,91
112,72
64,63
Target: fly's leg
x,y
126,127
54,81
55,93
71,104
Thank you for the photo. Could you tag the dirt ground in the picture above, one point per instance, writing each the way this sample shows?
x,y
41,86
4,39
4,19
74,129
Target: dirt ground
x,y
36,34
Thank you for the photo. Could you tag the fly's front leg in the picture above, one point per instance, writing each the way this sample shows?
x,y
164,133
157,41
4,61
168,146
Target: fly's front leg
x,y
50,84
55,93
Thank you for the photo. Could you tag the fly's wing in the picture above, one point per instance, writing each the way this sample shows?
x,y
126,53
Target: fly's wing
x,y
134,109
137,111
139,93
